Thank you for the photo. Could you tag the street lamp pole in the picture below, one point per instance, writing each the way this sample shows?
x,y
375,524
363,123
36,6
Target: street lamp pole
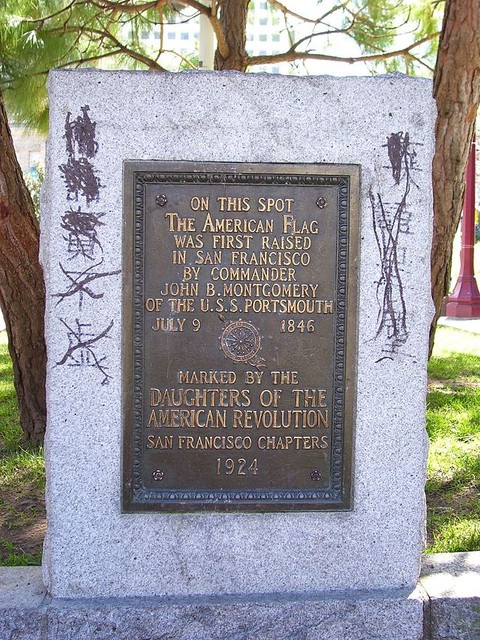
x,y
465,299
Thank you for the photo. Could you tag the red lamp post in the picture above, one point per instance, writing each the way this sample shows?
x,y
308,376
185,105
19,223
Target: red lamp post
x,y
465,299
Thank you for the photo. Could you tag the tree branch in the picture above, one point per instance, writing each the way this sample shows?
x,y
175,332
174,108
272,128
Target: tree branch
x,y
179,55
148,62
125,7
41,21
292,55
212,14
283,9
317,33
80,61
199,6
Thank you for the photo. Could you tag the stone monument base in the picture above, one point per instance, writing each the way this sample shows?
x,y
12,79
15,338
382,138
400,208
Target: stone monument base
x,y
444,606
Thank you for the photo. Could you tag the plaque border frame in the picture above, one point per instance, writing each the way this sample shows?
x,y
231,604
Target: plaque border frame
x,y
137,174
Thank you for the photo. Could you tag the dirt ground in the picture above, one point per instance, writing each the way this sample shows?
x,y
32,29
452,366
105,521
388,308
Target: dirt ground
x,y
22,522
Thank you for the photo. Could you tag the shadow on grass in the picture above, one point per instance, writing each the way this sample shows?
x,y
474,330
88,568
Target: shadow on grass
x,y
10,431
11,557
466,476
455,366
450,534
453,424
453,413
22,481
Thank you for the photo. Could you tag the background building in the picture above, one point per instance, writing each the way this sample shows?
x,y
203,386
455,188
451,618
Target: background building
x,y
30,148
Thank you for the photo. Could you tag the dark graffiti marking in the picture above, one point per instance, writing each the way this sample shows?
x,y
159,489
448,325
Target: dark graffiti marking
x,y
80,281
80,135
82,232
82,347
81,146
80,180
401,154
392,314
390,220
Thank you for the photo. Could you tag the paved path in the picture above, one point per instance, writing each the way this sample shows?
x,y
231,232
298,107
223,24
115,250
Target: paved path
x,y
464,324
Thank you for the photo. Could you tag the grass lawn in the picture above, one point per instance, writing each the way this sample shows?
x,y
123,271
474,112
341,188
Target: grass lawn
x,y
453,422
22,480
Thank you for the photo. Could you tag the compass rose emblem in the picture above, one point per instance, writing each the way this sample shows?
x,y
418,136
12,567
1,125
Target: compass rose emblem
x,y
240,341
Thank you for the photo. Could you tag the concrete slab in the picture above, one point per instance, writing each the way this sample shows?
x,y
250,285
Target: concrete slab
x,y
452,581
444,606
22,599
377,615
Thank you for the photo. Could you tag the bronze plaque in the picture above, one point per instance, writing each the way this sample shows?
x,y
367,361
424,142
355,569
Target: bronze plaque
x,y
239,336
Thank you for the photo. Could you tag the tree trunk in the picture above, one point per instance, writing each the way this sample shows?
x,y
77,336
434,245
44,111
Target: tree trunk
x,y
22,293
456,90
233,22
